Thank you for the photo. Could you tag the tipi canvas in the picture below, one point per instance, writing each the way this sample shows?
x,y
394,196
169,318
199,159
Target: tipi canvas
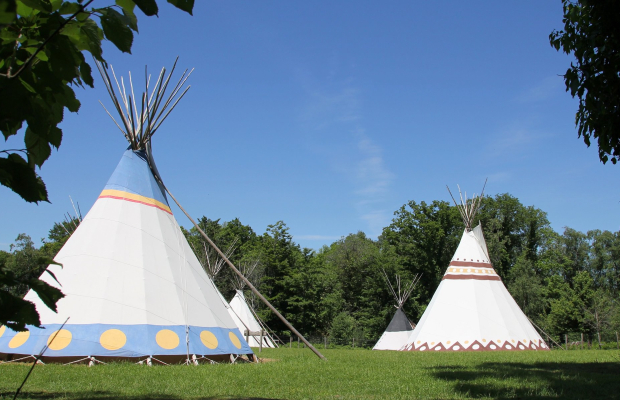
x,y
471,309
133,287
398,331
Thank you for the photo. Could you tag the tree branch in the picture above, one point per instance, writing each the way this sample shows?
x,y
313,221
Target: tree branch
x,y
29,60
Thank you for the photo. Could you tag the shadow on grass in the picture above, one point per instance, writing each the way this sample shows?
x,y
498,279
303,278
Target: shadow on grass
x,y
101,395
534,381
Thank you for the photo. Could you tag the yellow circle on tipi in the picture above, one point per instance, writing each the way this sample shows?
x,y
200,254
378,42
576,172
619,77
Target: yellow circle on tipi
x,y
112,339
234,339
208,339
2,329
166,339
19,339
58,340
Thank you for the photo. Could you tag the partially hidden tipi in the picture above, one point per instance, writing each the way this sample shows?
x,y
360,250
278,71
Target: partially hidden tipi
x,y
133,287
249,321
213,265
398,331
471,309
246,318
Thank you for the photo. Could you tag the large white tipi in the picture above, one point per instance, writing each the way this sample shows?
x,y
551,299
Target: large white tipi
x,y
471,309
133,287
398,331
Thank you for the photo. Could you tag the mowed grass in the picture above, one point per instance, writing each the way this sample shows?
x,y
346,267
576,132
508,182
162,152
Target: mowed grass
x,y
348,374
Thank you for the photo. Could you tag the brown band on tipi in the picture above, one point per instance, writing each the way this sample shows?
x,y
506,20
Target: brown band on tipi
x,y
471,276
470,264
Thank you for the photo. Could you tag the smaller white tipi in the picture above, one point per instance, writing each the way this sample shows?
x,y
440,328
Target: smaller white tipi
x,y
398,331
241,313
246,317
249,320
212,264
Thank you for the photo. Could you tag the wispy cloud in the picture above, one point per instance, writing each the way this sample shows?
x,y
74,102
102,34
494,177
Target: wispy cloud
x,y
544,90
510,141
374,180
335,116
499,177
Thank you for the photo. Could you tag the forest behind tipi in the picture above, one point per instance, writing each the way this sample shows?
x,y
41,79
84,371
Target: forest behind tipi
x,y
565,282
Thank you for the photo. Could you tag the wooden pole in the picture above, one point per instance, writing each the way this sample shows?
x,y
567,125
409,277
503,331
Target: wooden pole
x,y
617,341
290,343
247,282
566,340
548,337
581,340
260,348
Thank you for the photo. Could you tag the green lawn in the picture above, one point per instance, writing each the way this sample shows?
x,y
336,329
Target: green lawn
x,y
349,374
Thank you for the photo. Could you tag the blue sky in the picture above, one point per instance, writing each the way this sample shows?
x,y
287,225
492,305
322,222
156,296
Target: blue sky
x,y
331,115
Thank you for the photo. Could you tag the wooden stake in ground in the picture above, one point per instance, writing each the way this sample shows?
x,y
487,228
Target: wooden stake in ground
x,y
240,275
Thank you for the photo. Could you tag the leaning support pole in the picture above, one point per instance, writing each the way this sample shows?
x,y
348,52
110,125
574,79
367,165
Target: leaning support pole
x,y
247,282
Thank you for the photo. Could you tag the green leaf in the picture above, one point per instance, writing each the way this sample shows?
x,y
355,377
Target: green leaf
x,y
128,7
40,55
65,58
90,38
86,74
27,86
8,35
69,100
40,5
55,136
21,178
115,27
185,5
16,312
23,10
69,8
47,293
82,16
52,274
8,11
38,147
148,7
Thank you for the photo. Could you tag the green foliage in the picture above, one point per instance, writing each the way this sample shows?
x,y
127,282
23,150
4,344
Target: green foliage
x,y
424,237
42,45
592,34
343,327
19,272
527,288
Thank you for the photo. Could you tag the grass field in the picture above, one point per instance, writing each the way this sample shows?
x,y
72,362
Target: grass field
x,y
349,374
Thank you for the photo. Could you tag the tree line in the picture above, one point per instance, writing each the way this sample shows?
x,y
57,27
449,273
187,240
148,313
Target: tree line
x,y
564,282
